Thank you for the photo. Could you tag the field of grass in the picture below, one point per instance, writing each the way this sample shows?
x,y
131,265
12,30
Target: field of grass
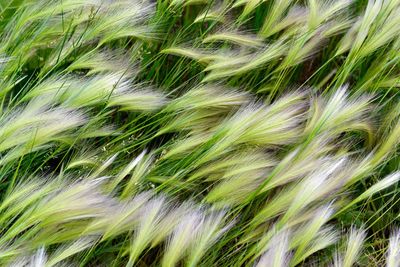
x,y
199,133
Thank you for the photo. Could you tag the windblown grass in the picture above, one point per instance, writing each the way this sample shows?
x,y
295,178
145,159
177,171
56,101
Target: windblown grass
x,y
199,133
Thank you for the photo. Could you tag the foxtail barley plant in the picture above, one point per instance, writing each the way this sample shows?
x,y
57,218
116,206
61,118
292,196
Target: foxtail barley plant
x,y
199,133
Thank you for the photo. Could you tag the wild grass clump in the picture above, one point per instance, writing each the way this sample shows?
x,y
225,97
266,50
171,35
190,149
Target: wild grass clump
x,y
199,133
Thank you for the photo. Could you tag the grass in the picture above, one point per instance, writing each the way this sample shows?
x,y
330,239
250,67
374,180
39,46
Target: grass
x,y
199,133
